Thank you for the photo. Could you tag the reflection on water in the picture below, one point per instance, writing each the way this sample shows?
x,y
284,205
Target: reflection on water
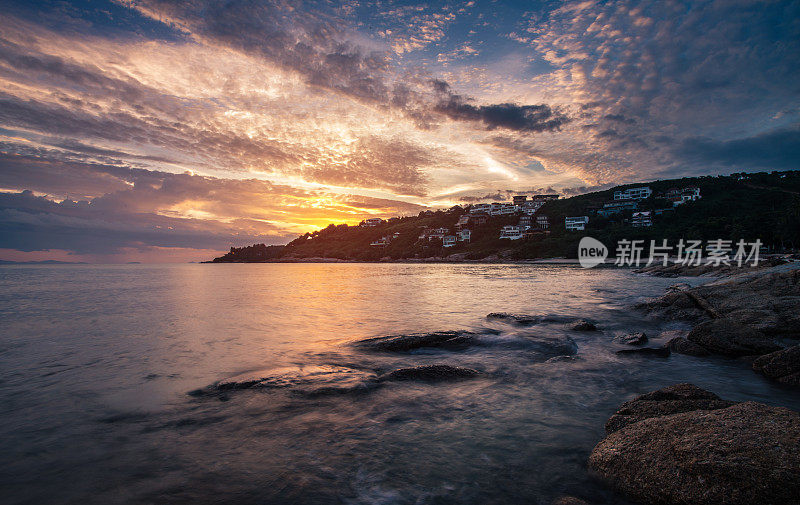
x,y
97,363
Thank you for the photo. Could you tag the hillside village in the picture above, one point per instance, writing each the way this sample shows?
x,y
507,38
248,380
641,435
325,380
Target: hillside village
x,y
533,223
749,206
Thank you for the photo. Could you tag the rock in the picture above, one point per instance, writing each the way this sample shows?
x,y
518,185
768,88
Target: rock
x,y
561,359
453,340
722,336
683,346
659,352
430,373
311,379
569,500
740,455
669,400
631,339
763,300
550,346
782,366
583,325
520,319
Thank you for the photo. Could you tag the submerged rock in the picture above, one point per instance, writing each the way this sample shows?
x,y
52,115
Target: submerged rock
x,y
569,500
549,346
683,346
659,352
723,336
563,358
669,400
742,454
520,319
430,373
453,340
583,325
310,379
631,339
782,366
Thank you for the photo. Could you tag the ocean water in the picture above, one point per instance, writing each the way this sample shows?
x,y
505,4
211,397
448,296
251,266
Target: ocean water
x,y
97,364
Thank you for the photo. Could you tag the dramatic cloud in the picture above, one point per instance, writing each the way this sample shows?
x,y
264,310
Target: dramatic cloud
x,y
196,125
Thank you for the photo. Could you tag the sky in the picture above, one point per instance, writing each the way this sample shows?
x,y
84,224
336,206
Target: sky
x,y
155,130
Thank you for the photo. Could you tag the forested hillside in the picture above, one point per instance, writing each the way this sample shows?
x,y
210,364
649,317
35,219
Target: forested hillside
x,y
763,206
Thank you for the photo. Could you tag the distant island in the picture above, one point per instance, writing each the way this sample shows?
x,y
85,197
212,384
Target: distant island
x,y
764,206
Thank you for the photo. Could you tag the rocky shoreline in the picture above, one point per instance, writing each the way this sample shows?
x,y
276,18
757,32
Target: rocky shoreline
x,y
682,444
674,446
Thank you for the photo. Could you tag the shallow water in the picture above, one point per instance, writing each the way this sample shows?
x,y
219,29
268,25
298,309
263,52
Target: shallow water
x,y
97,363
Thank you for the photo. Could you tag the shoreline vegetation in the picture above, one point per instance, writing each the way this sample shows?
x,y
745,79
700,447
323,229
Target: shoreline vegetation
x,y
763,206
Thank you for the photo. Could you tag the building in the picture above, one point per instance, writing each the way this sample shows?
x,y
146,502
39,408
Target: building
x,y
642,219
639,193
381,242
503,209
464,235
479,220
577,223
462,222
511,232
449,241
525,222
542,222
481,208
520,199
373,221
545,198
690,194
617,206
532,206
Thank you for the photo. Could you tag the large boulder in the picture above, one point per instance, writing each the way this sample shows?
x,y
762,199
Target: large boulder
x,y
765,301
782,366
723,336
740,455
669,400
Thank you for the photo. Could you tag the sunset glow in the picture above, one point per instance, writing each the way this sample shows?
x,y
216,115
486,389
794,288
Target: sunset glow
x,y
200,125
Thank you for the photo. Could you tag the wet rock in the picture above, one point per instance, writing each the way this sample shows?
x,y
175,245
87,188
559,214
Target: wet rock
x,y
569,500
550,346
520,319
743,454
723,336
453,340
657,352
765,301
631,339
311,379
669,400
583,325
683,346
562,359
430,373
782,366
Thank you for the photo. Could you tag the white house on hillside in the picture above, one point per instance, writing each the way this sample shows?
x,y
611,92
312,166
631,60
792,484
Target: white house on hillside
x,y
639,193
577,223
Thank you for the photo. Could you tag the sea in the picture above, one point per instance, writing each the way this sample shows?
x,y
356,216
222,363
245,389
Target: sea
x,y
108,374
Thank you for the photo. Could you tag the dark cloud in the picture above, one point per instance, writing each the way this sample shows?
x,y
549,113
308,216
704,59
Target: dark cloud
x,y
317,46
777,149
